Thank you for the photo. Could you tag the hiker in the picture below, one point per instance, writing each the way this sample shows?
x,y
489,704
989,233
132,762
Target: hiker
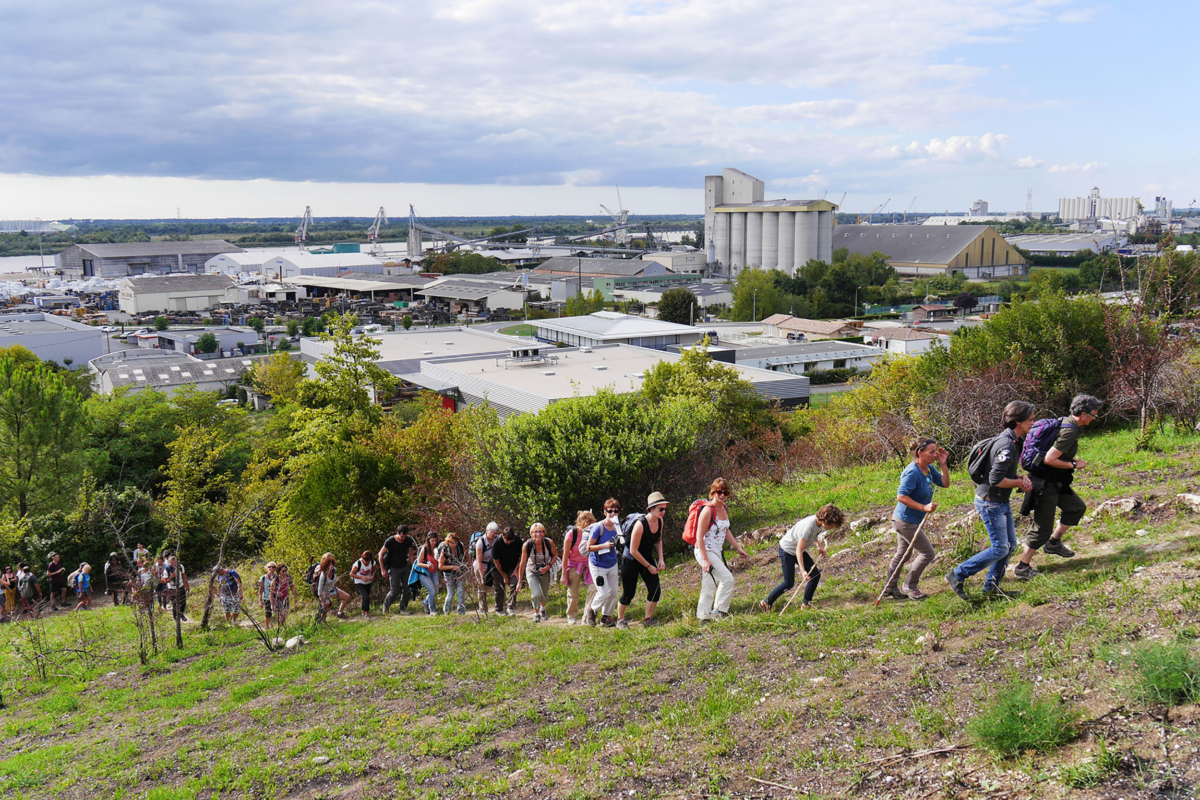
x,y
140,554
177,586
452,571
394,557
914,500
160,581
116,579
8,591
229,589
716,581
485,548
282,592
538,558
506,559
426,568
793,552
643,558
362,575
57,573
998,464
601,540
266,585
327,588
576,575
1050,456
28,588
83,588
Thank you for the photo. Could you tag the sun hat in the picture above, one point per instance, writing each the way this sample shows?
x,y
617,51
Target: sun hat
x,y
656,499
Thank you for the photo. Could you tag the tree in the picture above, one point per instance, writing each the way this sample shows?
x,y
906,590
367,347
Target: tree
x,y
407,321
161,323
965,301
293,327
42,421
351,371
278,376
755,295
256,324
697,376
207,343
680,306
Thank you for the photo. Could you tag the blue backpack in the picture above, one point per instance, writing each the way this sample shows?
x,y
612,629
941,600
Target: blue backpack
x,y
1040,439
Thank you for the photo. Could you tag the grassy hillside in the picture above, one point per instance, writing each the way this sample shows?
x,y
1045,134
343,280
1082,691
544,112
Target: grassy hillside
x,y
840,700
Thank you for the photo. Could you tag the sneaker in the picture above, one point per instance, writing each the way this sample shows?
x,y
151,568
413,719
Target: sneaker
x,y
762,606
895,594
957,586
650,622
706,620
915,594
570,620
623,624
1025,571
717,616
589,617
537,616
1056,547
608,622
805,606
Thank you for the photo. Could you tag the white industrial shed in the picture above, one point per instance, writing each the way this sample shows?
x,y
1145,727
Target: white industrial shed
x,y
165,371
805,357
609,327
51,337
324,264
151,293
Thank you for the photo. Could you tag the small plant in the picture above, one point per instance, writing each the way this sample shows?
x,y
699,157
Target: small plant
x,y
1089,774
1168,674
1016,721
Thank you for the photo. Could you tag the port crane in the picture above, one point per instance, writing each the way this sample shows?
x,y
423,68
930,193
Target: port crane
x,y
302,231
620,217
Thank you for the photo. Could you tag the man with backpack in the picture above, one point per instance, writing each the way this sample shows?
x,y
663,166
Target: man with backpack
x,y
485,550
395,557
57,573
30,591
993,466
1049,455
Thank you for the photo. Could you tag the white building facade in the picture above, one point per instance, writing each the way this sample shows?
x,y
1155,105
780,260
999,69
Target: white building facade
x,y
1074,209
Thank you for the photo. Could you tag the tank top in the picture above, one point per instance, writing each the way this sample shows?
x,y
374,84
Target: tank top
x,y
714,539
538,560
648,545
571,543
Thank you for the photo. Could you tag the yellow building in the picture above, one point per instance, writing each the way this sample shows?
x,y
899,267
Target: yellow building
x,y
977,251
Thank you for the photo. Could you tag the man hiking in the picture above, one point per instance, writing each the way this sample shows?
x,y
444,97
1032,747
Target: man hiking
x,y
1052,471
395,556
1002,455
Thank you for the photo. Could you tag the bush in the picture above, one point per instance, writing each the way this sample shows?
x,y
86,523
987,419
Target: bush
x,y
1015,721
161,323
1168,674
207,343
819,377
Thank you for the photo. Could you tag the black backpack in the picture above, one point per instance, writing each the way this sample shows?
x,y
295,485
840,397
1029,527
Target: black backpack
x,y
625,532
979,461
311,577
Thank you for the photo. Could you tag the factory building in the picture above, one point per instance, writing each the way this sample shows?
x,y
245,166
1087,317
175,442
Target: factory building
x,y
165,371
325,265
609,327
51,337
154,293
976,251
1065,244
601,267
1074,209
138,258
745,230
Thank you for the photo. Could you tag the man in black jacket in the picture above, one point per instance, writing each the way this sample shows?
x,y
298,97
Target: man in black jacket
x,y
992,502
1052,489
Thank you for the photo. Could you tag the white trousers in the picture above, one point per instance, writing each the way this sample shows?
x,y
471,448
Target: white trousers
x,y
605,601
716,587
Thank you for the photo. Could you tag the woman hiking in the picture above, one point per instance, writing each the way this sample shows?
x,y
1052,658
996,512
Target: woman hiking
x,y
914,500
576,575
793,552
644,559
716,581
538,557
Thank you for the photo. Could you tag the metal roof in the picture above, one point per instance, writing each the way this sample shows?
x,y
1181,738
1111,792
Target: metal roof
x,y
362,281
183,282
908,244
611,325
614,267
135,249
163,369
808,351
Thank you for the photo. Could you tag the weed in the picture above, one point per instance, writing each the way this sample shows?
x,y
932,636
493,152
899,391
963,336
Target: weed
x,y
1089,774
1168,674
1015,721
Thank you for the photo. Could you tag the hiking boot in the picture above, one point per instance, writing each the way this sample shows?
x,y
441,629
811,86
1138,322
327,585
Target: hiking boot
x,y
570,620
589,617
915,594
608,622
1056,547
957,586
650,622
1024,572
895,594
623,624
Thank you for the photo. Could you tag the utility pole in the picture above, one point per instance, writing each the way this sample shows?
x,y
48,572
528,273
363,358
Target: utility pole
x,y
754,313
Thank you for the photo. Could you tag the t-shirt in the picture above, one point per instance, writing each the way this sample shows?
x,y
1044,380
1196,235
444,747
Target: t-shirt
x,y
917,486
1067,443
507,554
486,549
365,571
395,553
84,582
806,529
603,559
1005,457
229,583
175,575
455,556
57,574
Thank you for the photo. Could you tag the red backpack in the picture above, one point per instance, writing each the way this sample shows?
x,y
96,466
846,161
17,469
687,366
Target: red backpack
x,y
690,534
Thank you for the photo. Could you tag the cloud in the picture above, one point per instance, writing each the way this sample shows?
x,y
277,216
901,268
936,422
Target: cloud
x,y
1028,162
1073,167
814,178
1078,15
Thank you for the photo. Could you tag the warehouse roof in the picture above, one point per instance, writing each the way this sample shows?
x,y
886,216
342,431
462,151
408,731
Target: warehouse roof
x,y
160,369
362,281
1063,242
403,351
611,325
615,267
146,249
908,244
156,284
463,289
808,351
901,334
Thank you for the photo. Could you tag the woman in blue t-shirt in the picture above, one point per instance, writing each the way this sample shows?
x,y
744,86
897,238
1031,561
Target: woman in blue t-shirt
x,y
914,499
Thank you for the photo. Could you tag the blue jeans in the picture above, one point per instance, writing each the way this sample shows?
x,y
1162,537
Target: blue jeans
x,y
430,584
787,561
1002,531
453,585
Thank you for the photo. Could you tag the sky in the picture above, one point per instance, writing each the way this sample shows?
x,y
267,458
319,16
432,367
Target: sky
x,y
490,107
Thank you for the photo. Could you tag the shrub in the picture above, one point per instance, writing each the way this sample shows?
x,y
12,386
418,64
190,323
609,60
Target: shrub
x,y
1167,674
1015,721
822,376
1089,774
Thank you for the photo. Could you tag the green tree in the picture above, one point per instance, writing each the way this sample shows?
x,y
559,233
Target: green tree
x,y
351,370
293,327
207,343
680,306
161,323
697,376
407,321
755,295
278,376
256,324
42,421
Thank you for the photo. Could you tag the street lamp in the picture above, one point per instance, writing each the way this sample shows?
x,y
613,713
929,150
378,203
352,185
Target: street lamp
x,y
754,313
856,301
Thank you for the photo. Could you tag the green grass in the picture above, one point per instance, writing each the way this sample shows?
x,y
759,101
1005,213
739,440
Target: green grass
x,y
1092,772
1166,674
524,329
1014,721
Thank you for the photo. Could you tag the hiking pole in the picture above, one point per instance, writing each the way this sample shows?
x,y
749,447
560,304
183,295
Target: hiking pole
x,y
907,553
807,578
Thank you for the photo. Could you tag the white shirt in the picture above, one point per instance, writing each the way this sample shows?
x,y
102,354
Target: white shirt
x,y
806,529
714,539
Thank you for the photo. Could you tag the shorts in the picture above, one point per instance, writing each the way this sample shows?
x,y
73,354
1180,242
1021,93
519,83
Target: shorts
x,y
230,605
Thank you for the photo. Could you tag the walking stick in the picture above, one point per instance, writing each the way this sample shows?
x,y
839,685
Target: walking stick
x,y
807,578
907,553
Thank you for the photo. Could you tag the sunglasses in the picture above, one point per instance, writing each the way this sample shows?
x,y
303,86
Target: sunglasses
x,y
722,493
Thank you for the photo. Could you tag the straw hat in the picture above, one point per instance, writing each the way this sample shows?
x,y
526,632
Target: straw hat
x,y
656,499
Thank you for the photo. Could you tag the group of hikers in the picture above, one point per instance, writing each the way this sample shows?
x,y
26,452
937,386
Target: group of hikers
x,y
602,562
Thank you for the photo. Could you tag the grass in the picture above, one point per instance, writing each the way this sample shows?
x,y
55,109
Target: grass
x,y
1015,721
524,329
1167,674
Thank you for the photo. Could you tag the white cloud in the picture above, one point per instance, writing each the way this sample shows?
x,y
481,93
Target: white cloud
x,y
1028,162
1090,166
1078,15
